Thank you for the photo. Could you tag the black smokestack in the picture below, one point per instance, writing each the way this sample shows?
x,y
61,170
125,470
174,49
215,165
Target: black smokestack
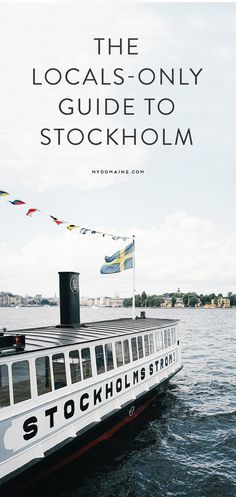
x,y
69,298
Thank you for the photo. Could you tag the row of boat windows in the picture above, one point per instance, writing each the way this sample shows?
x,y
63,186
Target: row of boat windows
x,y
47,378
52,374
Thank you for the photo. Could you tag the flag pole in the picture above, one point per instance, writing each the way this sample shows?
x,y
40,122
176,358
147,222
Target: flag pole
x,y
133,299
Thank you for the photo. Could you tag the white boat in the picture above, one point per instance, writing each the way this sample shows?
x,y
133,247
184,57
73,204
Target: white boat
x,y
66,388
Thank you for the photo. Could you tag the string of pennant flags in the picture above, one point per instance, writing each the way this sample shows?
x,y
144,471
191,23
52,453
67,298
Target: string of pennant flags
x,y
31,211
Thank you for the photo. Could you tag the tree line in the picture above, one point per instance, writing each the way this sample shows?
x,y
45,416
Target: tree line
x,y
190,299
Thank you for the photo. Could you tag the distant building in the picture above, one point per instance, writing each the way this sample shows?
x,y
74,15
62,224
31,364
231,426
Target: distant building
x,y
91,302
83,301
9,300
223,302
220,302
179,303
13,300
102,301
116,302
4,299
167,302
226,302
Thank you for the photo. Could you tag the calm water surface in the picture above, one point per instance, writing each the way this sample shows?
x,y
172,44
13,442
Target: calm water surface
x,y
184,445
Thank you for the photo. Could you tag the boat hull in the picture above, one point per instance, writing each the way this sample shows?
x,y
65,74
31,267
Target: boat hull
x,y
72,449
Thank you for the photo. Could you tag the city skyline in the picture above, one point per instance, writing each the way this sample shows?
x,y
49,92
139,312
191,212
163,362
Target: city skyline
x,y
116,295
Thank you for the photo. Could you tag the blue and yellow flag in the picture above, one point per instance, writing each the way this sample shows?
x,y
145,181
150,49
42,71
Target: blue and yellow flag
x,y
121,260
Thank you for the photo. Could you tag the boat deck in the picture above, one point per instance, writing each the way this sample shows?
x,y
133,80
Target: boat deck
x,y
54,336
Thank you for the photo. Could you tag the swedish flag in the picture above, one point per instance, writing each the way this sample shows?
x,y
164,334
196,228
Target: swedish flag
x,y
121,260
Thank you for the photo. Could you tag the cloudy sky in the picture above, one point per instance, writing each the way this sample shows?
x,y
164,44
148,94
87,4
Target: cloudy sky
x,y
182,209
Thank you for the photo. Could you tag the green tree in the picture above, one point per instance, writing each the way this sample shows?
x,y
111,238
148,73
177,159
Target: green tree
x,y
193,300
138,301
144,299
233,300
127,302
158,301
173,301
205,299
185,299
201,298
44,302
148,302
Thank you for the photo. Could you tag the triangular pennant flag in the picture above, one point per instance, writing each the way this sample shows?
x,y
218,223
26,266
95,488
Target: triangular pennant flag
x,y
71,227
31,211
16,202
57,221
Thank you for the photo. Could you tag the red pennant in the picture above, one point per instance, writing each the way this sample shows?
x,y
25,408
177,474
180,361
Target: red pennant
x,y
55,220
31,211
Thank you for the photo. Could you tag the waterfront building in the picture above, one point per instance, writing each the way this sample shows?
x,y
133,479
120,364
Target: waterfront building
x,y
179,303
224,302
167,302
4,299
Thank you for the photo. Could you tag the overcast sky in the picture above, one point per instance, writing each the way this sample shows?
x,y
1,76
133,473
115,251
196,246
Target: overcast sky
x,y
182,209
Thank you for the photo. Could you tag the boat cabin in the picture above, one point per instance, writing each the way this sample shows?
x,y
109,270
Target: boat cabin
x,y
71,381
52,360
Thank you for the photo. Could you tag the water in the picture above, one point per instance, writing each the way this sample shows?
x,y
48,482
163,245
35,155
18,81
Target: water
x,y
184,445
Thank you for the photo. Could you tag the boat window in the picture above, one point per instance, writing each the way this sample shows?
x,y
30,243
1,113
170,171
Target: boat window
x,y
109,356
86,363
126,351
100,359
146,345
21,381
75,371
158,341
169,337
134,349
43,375
151,344
4,386
165,339
173,336
119,355
140,347
59,370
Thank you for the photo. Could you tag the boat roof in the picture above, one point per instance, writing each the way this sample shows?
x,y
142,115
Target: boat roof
x,y
56,336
